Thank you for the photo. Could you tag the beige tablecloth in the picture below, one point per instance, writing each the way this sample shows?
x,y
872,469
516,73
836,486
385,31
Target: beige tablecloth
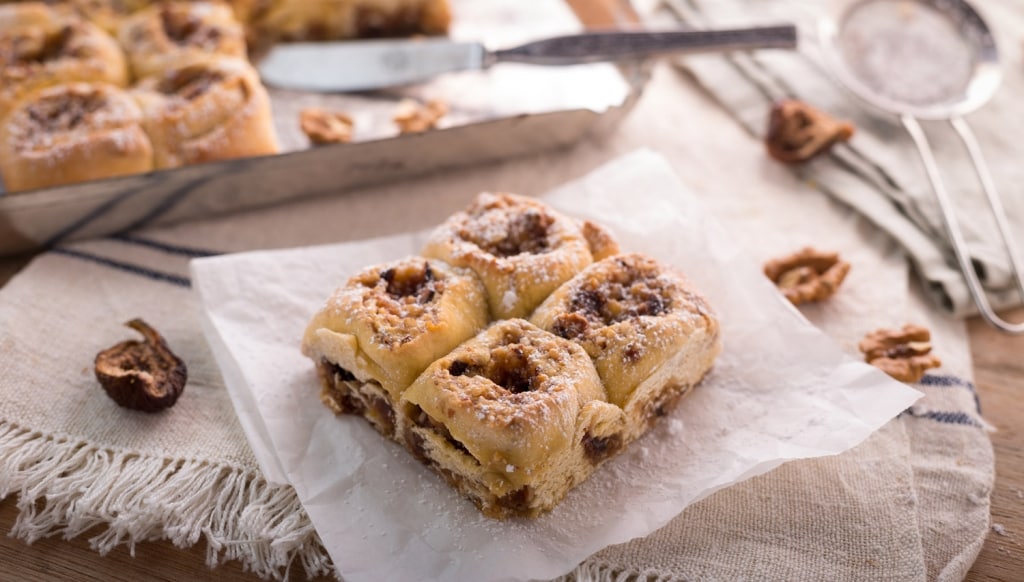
x,y
911,503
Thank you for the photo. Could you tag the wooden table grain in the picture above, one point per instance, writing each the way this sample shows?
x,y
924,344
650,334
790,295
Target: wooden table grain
x,y
999,375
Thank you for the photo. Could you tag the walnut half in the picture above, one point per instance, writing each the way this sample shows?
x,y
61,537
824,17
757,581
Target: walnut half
x,y
414,117
807,275
798,132
144,375
324,127
905,354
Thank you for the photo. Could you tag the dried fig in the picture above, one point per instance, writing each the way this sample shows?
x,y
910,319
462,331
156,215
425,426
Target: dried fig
x,y
144,375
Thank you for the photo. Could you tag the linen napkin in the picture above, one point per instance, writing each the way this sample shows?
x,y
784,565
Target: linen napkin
x,y
878,173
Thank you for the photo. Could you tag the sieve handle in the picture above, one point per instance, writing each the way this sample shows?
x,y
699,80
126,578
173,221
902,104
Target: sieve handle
x,y
952,224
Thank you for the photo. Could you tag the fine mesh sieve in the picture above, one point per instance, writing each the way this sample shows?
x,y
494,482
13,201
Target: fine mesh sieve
x,y
932,60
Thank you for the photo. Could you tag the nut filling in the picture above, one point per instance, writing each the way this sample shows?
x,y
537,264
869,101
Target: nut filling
x,y
344,394
183,27
405,299
68,112
905,354
505,234
143,376
633,291
191,82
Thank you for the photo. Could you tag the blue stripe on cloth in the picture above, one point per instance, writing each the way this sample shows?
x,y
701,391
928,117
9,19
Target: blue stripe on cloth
x,y
165,247
961,418
952,382
126,267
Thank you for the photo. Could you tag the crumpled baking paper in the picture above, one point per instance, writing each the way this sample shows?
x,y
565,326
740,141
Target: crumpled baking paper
x,y
781,390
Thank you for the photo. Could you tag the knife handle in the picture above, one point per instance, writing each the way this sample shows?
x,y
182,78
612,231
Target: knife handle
x,y
595,47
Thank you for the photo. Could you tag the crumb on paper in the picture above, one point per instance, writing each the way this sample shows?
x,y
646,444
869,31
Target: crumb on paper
x,y
807,275
905,354
798,132
326,127
415,117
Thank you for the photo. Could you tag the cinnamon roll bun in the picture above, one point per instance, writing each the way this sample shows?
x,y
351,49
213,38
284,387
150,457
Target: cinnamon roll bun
x,y
207,111
651,335
513,419
384,327
174,34
40,47
521,249
274,20
71,133
107,14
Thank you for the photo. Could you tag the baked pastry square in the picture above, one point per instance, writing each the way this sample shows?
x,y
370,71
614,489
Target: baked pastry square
x,y
651,335
379,331
513,419
520,248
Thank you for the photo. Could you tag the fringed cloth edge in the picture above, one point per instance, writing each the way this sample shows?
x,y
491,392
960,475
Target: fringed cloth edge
x,y
70,487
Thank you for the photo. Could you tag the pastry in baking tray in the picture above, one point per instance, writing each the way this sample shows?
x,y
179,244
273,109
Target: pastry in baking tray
x,y
206,111
72,133
378,332
271,20
172,34
513,419
107,14
651,335
41,47
521,249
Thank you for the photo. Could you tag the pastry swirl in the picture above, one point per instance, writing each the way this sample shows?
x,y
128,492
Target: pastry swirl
x,y
507,417
72,133
173,34
204,112
40,47
521,249
388,323
651,335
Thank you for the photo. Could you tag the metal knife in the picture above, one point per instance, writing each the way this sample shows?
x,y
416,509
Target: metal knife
x,y
362,65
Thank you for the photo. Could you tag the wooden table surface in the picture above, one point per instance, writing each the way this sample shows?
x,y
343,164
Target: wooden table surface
x,y
999,375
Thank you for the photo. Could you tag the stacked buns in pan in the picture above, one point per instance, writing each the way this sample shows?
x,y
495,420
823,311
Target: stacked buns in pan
x,y
517,354
94,89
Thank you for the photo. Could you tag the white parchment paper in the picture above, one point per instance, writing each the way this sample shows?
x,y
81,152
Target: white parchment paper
x,y
780,391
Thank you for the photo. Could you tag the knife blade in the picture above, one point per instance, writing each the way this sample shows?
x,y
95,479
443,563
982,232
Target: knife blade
x,y
363,65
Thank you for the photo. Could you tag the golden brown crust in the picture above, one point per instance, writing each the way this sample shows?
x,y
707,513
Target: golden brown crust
x,y
205,112
107,14
40,47
905,354
521,249
275,20
807,275
390,321
173,34
72,133
645,327
601,241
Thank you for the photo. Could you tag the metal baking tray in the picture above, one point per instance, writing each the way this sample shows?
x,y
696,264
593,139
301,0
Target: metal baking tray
x,y
508,111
